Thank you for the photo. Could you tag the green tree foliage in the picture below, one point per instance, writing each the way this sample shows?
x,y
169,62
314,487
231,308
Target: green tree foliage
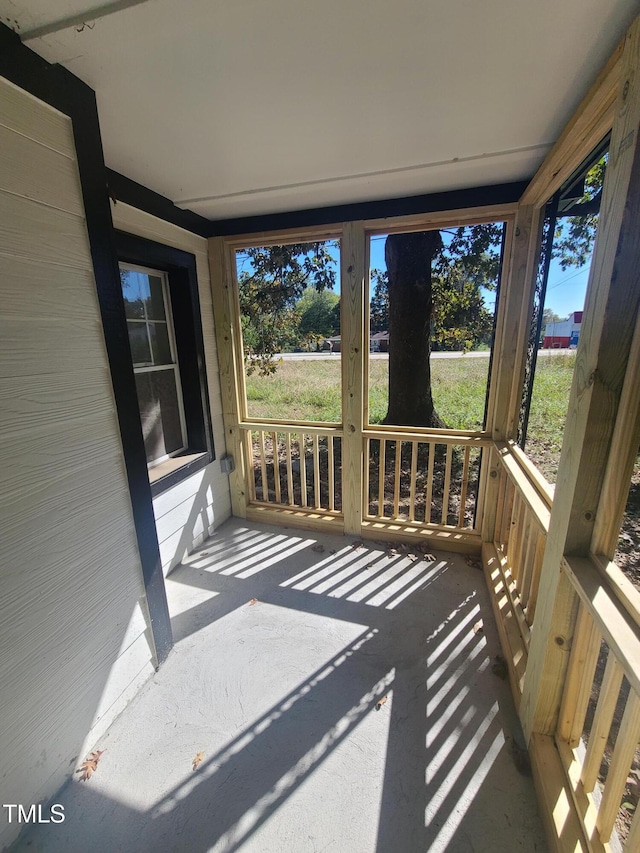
x,y
318,315
574,235
269,292
379,305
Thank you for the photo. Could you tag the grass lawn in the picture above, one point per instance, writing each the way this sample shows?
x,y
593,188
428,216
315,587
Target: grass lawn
x,y
310,390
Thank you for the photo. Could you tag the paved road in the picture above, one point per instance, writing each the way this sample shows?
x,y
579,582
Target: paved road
x,y
319,356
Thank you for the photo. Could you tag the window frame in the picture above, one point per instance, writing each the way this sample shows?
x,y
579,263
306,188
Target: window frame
x,y
186,337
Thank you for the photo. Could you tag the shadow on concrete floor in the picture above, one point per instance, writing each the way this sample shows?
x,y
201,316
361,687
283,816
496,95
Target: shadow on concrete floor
x,y
342,698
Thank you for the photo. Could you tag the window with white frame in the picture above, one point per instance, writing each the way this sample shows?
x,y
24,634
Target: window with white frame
x,y
155,364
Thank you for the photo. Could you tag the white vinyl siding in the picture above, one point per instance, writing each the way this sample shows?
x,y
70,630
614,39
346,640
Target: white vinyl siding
x,y
73,623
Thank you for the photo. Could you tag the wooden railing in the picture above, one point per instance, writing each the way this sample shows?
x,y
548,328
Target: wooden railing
x,y
599,724
522,523
422,480
294,466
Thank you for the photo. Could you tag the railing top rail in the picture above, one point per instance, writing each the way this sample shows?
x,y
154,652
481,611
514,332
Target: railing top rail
x,y
440,434
537,504
310,428
431,436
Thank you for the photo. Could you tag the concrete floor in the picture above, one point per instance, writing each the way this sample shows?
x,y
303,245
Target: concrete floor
x,y
281,698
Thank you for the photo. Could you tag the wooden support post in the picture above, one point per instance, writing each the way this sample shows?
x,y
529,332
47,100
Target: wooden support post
x,y
231,381
510,347
607,331
352,286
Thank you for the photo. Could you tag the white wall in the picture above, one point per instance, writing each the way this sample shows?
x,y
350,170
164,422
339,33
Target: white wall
x,y
187,513
73,625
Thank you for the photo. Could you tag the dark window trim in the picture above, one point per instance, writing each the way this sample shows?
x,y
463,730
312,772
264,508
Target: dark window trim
x,y
62,90
187,322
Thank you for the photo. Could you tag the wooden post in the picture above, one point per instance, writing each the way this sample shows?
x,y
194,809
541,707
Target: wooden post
x,y
607,330
352,287
222,284
510,347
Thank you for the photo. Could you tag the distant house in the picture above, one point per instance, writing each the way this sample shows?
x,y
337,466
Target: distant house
x,y
379,342
563,334
335,343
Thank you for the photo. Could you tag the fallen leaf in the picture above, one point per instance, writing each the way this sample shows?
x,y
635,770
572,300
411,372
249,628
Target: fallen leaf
x,y
197,759
253,601
478,628
521,759
499,667
204,553
471,561
429,558
318,548
413,557
90,765
357,544
381,703
333,551
392,553
370,566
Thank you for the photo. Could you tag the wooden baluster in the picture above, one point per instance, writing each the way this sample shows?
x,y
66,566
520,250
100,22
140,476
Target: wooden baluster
x,y
263,467
585,649
507,516
541,542
527,564
513,532
331,471
381,473
607,701
447,485
316,471
625,748
290,497
302,456
396,480
412,485
248,436
633,839
502,496
464,487
276,466
367,466
515,563
429,495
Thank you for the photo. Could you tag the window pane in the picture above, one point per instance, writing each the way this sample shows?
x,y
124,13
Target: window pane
x,y
155,302
160,343
135,289
139,340
159,413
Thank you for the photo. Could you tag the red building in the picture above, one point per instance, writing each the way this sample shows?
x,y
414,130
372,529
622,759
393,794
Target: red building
x,y
564,333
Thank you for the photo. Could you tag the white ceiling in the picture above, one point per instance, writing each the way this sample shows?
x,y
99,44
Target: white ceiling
x,y
239,107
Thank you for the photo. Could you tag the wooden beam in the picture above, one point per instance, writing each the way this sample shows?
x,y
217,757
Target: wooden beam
x,y
512,326
607,330
222,279
589,125
352,289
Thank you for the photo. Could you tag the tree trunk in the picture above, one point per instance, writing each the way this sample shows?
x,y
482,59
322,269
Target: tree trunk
x,y
408,258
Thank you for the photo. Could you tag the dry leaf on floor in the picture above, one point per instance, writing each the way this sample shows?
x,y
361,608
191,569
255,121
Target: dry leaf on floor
x,y
381,703
392,552
318,548
253,601
370,566
332,551
204,553
197,759
478,628
429,558
358,543
90,765
499,667
412,557
471,561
